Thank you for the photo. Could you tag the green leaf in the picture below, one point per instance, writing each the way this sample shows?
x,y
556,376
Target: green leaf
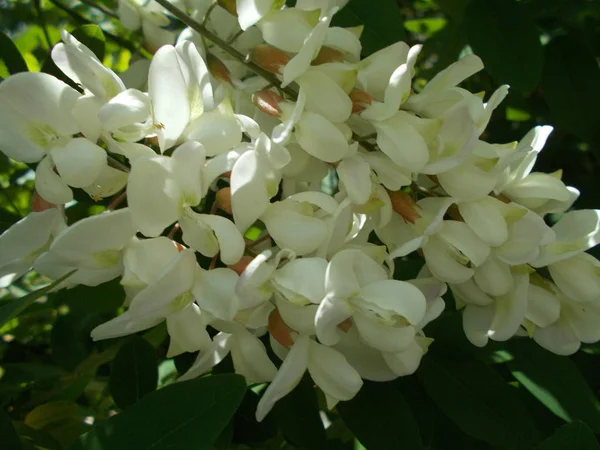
x,y
479,401
563,390
506,39
572,436
571,86
383,23
11,60
10,439
15,307
134,372
297,416
185,415
381,418
92,37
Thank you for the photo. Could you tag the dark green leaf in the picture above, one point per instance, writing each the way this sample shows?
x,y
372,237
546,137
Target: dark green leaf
x,y
15,307
134,372
383,24
26,372
246,429
572,436
381,418
506,39
190,414
297,416
478,400
11,60
571,86
92,37
8,435
563,390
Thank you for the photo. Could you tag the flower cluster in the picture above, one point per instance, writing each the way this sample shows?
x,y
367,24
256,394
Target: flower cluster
x,y
337,163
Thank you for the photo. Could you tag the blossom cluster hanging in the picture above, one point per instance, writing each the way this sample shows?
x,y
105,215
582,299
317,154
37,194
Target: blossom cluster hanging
x,y
339,165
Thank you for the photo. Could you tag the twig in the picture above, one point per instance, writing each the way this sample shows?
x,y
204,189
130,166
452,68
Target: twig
x,y
116,164
202,30
99,7
221,43
117,201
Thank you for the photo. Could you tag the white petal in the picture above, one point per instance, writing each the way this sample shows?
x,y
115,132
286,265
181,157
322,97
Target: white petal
x,y
543,308
494,277
155,205
187,330
167,89
208,359
299,318
402,143
215,292
325,97
288,376
49,185
251,11
355,174
217,132
305,277
79,162
477,321
331,312
399,297
385,338
510,310
250,358
332,373
320,138
126,108
407,362
557,338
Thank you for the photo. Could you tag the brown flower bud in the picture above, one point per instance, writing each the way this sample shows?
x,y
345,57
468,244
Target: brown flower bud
x,y
268,102
217,68
327,55
269,58
403,204
229,6
38,204
223,199
279,329
241,265
360,100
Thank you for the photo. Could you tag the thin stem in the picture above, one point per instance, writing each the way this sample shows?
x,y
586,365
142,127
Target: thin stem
x,y
203,31
173,230
116,164
99,7
40,15
117,201
119,40
235,36
260,240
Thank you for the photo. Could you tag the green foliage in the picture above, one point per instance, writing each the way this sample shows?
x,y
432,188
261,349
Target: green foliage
x,y
389,422
134,372
505,37
192,411
505,396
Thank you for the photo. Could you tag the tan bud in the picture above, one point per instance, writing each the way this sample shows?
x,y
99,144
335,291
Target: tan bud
x,y
223,199
229,6
241,265
360,100
269,58
403,204
268,102
38,204
345,325
218,69
327,55
279,329
178,246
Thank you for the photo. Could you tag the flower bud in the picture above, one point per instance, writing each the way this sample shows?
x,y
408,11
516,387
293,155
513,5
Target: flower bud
x,y
241,265
268,102
279,329
229,6
223,200
360,100
403,204
218,69
269,58
38,204
327,55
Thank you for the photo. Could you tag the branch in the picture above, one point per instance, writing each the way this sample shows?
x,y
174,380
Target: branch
x,y
223,45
